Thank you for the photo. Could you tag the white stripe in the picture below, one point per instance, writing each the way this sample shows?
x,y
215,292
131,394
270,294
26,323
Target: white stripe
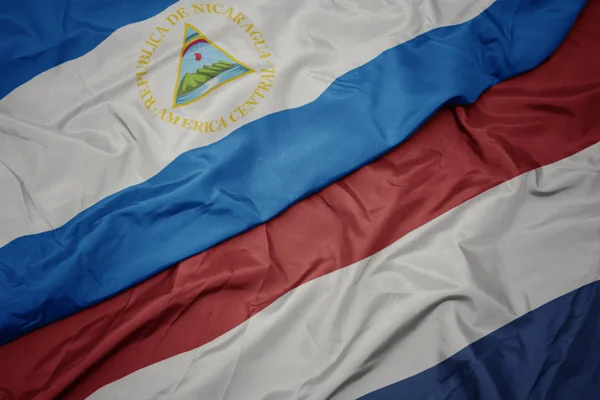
x,y
410,306
79,132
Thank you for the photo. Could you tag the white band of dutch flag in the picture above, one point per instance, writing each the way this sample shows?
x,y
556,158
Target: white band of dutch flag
x,y
408,307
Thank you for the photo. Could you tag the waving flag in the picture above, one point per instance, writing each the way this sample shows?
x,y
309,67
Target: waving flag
x,y
121,162
460,265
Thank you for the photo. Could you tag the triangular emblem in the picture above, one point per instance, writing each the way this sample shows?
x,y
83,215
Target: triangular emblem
x,y
203,67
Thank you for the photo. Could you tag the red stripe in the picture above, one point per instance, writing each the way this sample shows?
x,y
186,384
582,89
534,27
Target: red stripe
x,y
517,126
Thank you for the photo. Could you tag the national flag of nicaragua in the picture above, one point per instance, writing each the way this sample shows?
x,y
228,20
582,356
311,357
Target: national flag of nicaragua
x,y
136,136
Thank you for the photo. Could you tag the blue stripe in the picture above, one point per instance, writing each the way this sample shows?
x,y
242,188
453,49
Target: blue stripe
x,y
209,194
38,35
549,353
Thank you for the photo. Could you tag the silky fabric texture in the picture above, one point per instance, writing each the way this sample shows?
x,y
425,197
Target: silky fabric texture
x,y
36,36
97,135
64,30
547,354
208,195
517,126
408,307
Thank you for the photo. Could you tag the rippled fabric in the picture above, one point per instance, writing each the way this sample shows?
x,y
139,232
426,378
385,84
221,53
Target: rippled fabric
x,y
99,138
211,193
408,307
546,354
516,126
38,35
